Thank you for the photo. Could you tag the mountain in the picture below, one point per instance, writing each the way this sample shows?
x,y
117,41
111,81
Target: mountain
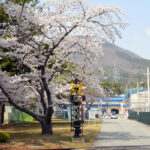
x,y
129,65
123,59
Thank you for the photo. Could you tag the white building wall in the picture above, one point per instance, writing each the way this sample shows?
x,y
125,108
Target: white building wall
x,y
8,111
139,101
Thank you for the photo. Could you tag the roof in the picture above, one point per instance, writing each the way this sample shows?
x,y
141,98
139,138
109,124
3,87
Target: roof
x,y
135,91
112,99
112,104
91,108
105,104
126,105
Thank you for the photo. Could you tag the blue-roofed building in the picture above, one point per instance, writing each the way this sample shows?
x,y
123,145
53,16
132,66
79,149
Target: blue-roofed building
x,y
133,100
109,105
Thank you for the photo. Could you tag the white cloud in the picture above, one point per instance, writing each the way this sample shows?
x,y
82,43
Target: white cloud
x,y
147,31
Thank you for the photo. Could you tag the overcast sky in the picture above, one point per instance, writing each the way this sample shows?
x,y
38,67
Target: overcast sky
x,y
136,37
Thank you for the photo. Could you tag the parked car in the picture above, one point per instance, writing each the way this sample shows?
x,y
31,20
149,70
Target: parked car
x,y
114,116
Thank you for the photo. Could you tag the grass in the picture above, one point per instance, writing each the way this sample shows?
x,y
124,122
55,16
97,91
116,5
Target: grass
x,y
28,135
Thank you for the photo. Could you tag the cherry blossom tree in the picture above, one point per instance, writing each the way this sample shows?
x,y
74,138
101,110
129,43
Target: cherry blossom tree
x,y
45,39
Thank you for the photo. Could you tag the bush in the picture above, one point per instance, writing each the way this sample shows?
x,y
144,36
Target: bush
x,y
4,136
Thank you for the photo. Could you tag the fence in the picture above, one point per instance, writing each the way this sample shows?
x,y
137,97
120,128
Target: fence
x,y
14,115
18,116
143,117
61,114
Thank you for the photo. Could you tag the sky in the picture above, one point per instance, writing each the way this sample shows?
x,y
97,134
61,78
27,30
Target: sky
x,y
136,37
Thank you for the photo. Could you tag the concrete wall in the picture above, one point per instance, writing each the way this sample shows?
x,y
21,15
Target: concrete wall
x,y
143,117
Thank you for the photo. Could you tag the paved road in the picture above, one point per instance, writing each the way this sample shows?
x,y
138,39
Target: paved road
x,y
122,132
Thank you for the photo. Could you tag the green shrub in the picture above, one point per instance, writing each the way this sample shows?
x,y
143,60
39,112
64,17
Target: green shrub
x,y
4,136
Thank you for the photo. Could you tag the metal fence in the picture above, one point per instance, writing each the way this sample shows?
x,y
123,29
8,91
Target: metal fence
x,y
18,116
140,116
60,114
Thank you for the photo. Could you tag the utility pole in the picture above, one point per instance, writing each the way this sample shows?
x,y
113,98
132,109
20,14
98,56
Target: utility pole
x,y
148,73
130,104
138,98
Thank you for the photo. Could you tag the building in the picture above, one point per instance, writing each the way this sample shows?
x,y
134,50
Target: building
x,y
138,99
106,106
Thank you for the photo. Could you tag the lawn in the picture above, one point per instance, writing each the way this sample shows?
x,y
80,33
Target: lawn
x,y
28,135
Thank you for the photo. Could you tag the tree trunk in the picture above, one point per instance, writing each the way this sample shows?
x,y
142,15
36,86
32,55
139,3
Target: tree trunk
x,y
46,128
47,123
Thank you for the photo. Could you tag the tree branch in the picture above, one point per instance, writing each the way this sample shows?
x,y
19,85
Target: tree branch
x,y
41,92
39,118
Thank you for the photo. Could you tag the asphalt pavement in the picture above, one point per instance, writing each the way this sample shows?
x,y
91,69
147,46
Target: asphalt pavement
x,y
123,134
